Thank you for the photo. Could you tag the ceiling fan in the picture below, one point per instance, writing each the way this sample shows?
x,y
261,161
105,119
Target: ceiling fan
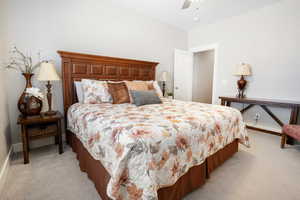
x,y
188,3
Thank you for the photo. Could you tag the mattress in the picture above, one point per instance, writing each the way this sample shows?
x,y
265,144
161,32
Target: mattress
x,y
149,147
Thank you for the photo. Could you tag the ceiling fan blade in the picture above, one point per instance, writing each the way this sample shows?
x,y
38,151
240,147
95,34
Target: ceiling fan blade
x,y
187,4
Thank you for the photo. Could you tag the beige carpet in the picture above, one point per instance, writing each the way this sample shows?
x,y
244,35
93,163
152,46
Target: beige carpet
x,y
262,172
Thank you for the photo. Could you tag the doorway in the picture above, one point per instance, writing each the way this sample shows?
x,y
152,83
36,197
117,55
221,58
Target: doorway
x,y
203,75
194,82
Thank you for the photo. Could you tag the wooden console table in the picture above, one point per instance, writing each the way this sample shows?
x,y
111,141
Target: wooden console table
x,y
263,103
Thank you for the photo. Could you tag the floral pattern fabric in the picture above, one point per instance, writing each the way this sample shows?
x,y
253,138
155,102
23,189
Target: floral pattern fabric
x,y
149,147
95,91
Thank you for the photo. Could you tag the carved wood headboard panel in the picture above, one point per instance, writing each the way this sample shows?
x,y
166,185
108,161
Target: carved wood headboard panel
x,y
77,66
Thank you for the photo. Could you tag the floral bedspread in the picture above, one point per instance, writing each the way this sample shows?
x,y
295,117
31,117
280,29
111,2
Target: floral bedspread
x,y
149,147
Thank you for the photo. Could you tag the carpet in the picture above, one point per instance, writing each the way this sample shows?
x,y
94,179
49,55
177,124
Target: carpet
x,y
261,172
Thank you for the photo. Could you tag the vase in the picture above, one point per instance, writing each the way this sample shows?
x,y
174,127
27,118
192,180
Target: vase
x,y
29,105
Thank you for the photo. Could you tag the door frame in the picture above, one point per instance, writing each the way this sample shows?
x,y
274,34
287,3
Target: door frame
x,y
215,48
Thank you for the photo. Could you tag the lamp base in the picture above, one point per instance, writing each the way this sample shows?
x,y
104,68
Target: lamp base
x,y
164,88
50,113
241,87
241,96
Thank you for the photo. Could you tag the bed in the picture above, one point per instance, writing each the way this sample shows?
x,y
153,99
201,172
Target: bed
x,y
147,152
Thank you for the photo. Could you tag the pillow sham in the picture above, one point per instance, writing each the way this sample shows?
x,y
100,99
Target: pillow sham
x,y
79,91
156,88
153,85
141,98
137,85
119,92
95,91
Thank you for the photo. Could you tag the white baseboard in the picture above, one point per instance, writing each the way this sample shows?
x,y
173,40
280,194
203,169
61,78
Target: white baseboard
x,y
5,169
18,147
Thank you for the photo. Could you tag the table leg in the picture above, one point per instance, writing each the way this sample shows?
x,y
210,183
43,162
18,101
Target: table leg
x,y
293,120
60,144
223,102
28,142
56,139
25,144
228,103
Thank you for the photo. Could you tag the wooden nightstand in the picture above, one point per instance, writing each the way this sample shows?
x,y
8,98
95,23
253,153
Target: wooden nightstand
x,y
40,126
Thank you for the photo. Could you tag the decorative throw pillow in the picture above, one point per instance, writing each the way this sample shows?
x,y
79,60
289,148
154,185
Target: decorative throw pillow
x,y
95,92
141,98
153,85
137,85
119,92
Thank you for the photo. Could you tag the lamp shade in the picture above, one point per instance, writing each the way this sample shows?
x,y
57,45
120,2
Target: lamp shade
x,y
243,70
164,76
48,72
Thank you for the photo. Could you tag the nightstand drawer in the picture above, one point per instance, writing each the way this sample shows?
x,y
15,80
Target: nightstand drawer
x,y
42,130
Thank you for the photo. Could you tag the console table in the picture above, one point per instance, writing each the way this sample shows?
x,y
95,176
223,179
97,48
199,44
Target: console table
x,y
263,103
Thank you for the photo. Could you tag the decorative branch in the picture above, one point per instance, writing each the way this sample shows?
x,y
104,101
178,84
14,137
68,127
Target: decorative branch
x,y
36,66
22,63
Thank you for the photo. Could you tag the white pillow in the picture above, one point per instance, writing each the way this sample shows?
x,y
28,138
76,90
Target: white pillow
x,y
95,92
79,91
157,88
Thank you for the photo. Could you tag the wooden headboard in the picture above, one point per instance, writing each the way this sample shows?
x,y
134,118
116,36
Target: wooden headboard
x,y
77,66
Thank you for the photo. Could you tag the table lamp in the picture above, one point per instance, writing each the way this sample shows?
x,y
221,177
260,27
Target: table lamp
x,y
164,79
242,70
48,73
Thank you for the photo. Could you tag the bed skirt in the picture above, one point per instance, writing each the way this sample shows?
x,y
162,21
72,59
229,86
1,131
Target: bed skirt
x,y
192,180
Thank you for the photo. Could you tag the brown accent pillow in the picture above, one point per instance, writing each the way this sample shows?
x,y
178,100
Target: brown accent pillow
x,y
119,92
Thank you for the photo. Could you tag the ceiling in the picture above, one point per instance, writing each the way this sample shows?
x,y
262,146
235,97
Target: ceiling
x,y
209,11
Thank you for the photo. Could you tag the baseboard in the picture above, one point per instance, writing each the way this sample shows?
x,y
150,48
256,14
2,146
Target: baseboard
x,y
5,169
18,147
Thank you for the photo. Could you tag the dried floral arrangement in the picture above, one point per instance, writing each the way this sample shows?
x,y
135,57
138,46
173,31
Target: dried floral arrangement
x,y
34,92
22,63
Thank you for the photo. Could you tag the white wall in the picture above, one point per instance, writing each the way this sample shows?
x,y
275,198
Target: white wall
x,y
5,139
92,26
268,39
203,76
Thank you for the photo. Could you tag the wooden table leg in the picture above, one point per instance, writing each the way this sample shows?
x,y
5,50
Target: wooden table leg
x,y
293,120
25,144
56,139
283,140
60,144
228,103
28,141
223,102
247,108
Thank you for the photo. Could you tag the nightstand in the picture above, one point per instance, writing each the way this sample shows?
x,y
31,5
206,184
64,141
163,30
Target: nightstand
x,y
40,126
